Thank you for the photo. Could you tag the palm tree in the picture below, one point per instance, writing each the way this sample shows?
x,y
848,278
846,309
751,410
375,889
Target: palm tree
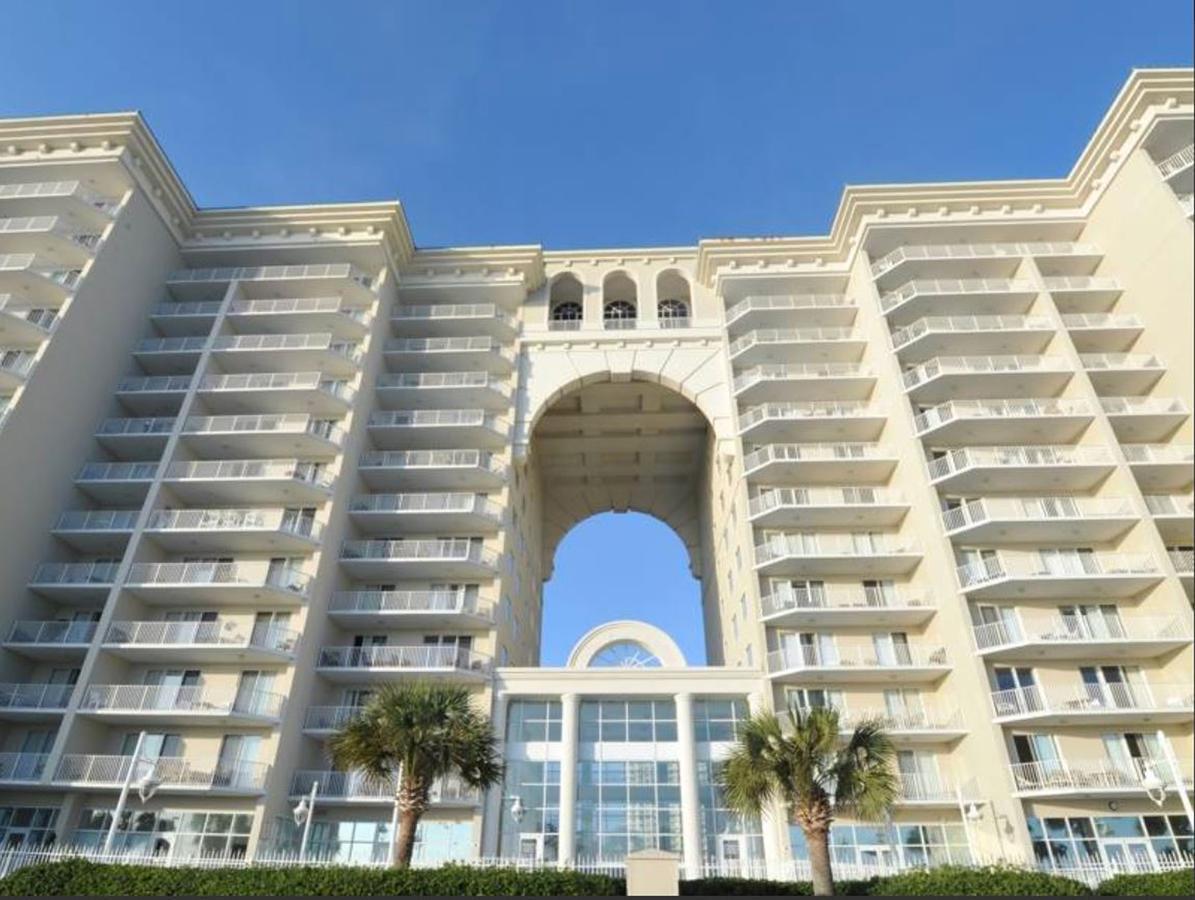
x,y
814,773
409,736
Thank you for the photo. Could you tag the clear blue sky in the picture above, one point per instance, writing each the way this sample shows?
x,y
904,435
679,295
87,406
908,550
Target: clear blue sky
x,y
612,123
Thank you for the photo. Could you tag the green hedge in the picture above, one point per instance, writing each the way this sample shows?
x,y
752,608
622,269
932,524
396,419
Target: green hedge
x,y
756,887
945,881
82,878
1152,884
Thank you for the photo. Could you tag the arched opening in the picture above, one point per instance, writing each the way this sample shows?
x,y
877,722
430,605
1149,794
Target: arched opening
x,y
620,301
621,566
566,303
673,299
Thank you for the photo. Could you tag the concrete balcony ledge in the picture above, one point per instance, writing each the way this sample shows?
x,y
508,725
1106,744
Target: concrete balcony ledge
x,y
175,774
52,279
962,377
132,702
25,322
934,724
1030,518
972,331
242,472
835,554
784,345
1075,637
358,787
942,288
263,434
432,469
154,384
482,352
818,463
1183,561
1144,419
845,420
242,529
453,319
781,308
792,506
427,511
1095,704
1093,778
1049,462
434,428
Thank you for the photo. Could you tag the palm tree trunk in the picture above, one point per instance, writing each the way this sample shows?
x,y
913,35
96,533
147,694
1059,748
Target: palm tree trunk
x,y
411,800
818,841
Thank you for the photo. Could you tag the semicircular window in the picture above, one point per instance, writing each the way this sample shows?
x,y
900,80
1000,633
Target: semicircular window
x,y
624,655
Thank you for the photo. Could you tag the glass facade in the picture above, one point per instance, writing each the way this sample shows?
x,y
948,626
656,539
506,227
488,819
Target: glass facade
x,y
1082,840
27,826
537,785
628,721
725,835
370,840
883,844
627,805
169,832
533,720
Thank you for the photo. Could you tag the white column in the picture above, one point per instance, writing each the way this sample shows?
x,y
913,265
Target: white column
x,y
569,706
772,820
690,801
492,822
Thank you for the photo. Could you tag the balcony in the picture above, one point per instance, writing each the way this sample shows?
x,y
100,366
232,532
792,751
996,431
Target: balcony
x,y
249,583
811,665
417,559
1046,467
1183,560
321,352
410,609
291,315
56,641
1034,634
267,436
1033,421
22,768
1058,575
922,725
83,583
1177,164
1103,332
153,395
68,197
229,641
176,775
1139,420
96,530
815,555
820,463
1095,704
434,469
454,320
434,428
439,513
179,705
277,392
423,390
381,664
39,702
972,296
317,280
236,530
834,506
169,355
1083,293
40,279
15,366
22,323
1161,467
936,336
323,721
845,606
292,482
1038,519
931,789
797,345
1122,373
949,377
804,381
449,354
778,310
62,238
935,255
135,438
174,319
352,788
1090,779
810,420
1174,514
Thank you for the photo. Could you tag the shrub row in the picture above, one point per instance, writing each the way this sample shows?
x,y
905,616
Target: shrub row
x,y
1153,884
79,877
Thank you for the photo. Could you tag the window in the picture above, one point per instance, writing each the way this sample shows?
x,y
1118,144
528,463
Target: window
x,y
629,721
1070,842
565,304
673,299
623,806
533,720
169,832
875,844
27,826
718,720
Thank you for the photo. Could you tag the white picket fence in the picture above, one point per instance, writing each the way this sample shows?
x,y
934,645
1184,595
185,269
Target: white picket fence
x,y
1090,874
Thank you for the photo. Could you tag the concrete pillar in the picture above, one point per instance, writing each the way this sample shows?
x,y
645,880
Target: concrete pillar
x,y
690,801
569,707
773,820
492,819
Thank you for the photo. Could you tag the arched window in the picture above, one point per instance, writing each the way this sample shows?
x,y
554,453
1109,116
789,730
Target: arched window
x,y
673,313
673,299
566,303
620,300
624,654
619,314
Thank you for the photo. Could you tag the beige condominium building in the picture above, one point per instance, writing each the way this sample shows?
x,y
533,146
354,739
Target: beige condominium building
x,y
934,466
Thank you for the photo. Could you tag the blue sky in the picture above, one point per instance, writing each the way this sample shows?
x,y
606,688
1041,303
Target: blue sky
x,y
612,123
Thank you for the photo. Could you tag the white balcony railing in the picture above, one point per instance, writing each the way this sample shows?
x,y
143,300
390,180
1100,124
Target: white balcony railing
x,y
41,317
1029,509
1087,775
448,550
481,344
980,251
445,502
1088,698
1183,560
1171,504
1101,320
796,371
56,189
249,470
792,336
925,717
953,286
955,410
451,311
40,696
357,786
173,698
968,325
777,498
294,305
216,574
22,767
896,657
419,656
846,409
1031,565
57,633
234,520
160,425
981,365
271,273
788,302
278,381
97,520
373,602
1113,362
220,633
1143,406
1013,456
926,787
264,424
1077,629
154,384
1058,284
85,573
17,362
845,452
1159,454
329,718
839,545
432,380
170,771
435,418
171,345
788,599
431,459
41,267
1180,159
49,225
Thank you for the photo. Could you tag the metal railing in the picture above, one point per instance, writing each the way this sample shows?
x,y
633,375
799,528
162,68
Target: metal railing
x,y
231,574
788,599
447,550
225,519
431,459
1180,159
1120,361
136,426
925,718
451,311
1063,283
357,785
814,409
965,458
35,265
265,424
1103,774
188,309
443,345
1101,320
433,418
954,410
895,657
420,380
926,788
845,452
1183,560
1026,509
968,324
1171,504
830,544
1032,565
277,381
417,656
1164,454
329,718
457,602
49,189
980,251
792,336
154,384
980,365
78,574
928,287
23,767
249,469
97,520
445,502
291,305
1143,406
1086,698
171,345
271,273
220,633
776,498
793,372
17,362
1073,628
39,696
170,771
173,698
57,632
41,317
48,225
788,302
